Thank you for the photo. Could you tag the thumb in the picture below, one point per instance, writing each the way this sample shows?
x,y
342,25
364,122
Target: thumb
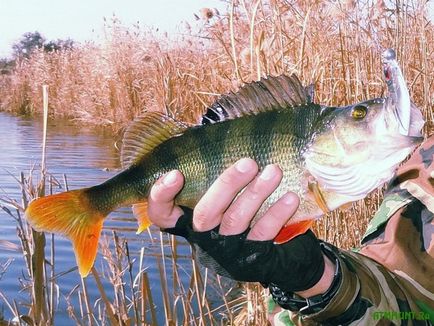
x,y
162,210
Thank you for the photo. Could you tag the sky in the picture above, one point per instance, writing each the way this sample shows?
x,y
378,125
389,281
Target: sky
x,y
82,20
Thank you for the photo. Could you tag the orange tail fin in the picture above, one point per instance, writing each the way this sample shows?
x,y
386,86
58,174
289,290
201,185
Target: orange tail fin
x,y
70,214
291,231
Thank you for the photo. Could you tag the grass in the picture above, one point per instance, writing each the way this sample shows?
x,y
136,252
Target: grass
x,y
336,45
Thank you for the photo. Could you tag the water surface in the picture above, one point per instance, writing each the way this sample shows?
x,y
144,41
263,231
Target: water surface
x,y
87,156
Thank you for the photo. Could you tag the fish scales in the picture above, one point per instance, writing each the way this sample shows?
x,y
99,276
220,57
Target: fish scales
x,y
329,156
203,153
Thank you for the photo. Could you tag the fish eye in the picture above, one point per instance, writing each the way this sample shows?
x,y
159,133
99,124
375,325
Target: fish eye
x,y
359,112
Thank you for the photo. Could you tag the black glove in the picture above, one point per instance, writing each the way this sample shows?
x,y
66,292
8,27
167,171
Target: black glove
x,y
293,266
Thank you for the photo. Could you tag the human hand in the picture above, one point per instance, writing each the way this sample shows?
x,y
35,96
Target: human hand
x,y
219,227
217,206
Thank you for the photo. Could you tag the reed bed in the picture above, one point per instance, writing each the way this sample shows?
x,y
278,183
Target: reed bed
x,y
122,280
336,45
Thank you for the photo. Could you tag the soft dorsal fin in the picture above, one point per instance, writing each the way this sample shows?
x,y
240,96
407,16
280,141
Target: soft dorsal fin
x,y
272,93
145,133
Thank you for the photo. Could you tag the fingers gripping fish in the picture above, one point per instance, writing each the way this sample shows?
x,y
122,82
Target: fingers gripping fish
x,y
329,156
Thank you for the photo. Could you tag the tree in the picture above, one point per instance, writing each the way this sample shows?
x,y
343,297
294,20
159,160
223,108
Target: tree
x,y
34,40
67,44
28,42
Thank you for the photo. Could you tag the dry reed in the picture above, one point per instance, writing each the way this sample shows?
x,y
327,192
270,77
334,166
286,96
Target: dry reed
x,y
336,45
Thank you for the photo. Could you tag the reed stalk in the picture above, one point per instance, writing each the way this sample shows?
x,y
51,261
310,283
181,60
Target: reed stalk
x,y
40,314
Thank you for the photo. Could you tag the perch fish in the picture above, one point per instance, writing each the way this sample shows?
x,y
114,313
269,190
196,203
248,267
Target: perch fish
x,y
330,156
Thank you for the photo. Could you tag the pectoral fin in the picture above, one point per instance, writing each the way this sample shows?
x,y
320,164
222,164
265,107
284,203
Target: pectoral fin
x,y
318,196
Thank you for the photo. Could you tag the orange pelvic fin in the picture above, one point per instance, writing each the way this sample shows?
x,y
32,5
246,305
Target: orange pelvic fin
x,y
140,211
291,231
70,214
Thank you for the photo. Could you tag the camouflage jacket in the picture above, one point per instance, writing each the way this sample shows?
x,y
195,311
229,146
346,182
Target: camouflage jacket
x,y
390,280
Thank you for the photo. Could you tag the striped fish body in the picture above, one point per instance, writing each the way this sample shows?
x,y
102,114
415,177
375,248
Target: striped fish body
x,y
202,153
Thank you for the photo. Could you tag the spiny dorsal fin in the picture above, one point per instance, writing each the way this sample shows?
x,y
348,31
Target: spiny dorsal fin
x,y
272,93
145,133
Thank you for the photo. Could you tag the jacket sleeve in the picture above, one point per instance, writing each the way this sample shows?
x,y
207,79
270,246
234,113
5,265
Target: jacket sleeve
x,y
390,279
